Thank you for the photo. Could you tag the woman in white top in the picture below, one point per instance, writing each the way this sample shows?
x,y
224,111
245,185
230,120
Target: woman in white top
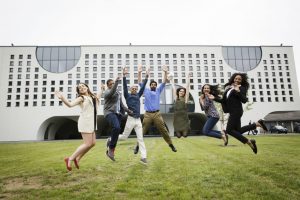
x,y
87,122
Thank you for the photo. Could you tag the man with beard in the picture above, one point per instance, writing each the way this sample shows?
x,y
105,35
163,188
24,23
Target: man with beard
x,y
152,114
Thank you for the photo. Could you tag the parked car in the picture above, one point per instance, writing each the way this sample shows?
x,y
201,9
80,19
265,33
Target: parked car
x,y
297,129
278,129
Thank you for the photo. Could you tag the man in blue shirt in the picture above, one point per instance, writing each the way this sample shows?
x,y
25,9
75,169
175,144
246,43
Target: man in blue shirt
x,y
152,104
133,119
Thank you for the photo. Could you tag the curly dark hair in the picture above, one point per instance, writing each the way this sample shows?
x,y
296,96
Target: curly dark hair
x,y
178,89
214,89
244,82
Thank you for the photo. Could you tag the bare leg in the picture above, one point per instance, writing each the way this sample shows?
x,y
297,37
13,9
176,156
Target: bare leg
x,y
88,142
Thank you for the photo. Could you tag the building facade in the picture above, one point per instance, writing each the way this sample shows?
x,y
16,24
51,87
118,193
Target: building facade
x,y
30,75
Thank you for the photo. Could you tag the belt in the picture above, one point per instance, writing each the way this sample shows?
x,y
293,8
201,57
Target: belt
x,y
152,111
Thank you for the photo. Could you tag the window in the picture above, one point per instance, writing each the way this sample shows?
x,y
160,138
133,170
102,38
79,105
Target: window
x,y
58,59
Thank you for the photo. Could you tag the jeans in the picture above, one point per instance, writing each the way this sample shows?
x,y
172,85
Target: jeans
x,y
208,126
114,121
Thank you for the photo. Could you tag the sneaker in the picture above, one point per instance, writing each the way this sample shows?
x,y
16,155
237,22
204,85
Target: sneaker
x,y
108,141
143,161
110,154
172,147
136,149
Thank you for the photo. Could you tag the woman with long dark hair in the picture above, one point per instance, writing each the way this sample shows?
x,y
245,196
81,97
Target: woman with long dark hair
x,y
181,120
87,122
235,94
209,92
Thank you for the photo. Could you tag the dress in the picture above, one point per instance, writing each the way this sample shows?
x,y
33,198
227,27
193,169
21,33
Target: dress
x,y
86,118
181,119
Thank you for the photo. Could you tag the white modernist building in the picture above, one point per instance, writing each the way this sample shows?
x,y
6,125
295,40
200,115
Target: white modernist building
x,y
30,75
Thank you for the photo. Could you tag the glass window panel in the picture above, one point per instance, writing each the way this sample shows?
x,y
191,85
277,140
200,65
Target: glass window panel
x,y
231,63
258,52
46,65
238,52
77,53
245,52
70,64
46,53
252,64
239,65
231,53
54,66
62,65
62,53
225,52
246,64
252,53
70,53
54,53
39,53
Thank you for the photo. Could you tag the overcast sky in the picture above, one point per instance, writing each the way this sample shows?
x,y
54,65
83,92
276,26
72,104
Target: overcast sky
x,y
153,22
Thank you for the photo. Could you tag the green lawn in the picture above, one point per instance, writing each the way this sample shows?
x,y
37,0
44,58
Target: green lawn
x,y
201,169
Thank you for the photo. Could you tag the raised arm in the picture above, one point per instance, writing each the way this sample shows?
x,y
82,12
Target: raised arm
x,y
144,83
113,89
140,69
187,93
67,102
125,89
102,89
165,70
173,89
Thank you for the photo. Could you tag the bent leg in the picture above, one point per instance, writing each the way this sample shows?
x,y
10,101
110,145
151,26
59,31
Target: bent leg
x,y
128,128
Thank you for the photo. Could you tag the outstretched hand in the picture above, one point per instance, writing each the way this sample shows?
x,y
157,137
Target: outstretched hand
x,y
140,68
165,68
102,87
58,94
125,71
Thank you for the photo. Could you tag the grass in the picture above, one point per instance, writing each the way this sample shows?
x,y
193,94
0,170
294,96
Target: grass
x,y
201,169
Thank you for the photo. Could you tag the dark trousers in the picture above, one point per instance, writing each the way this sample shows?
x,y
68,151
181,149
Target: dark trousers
x,y
234,127
114,121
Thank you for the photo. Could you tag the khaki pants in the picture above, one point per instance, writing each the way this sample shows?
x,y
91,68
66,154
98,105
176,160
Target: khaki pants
x,y
135,123
158,122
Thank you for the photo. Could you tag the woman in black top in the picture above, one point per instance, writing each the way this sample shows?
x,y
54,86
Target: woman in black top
x,y
235,94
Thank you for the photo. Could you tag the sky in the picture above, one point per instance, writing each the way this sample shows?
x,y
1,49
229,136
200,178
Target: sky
x,y
152,22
